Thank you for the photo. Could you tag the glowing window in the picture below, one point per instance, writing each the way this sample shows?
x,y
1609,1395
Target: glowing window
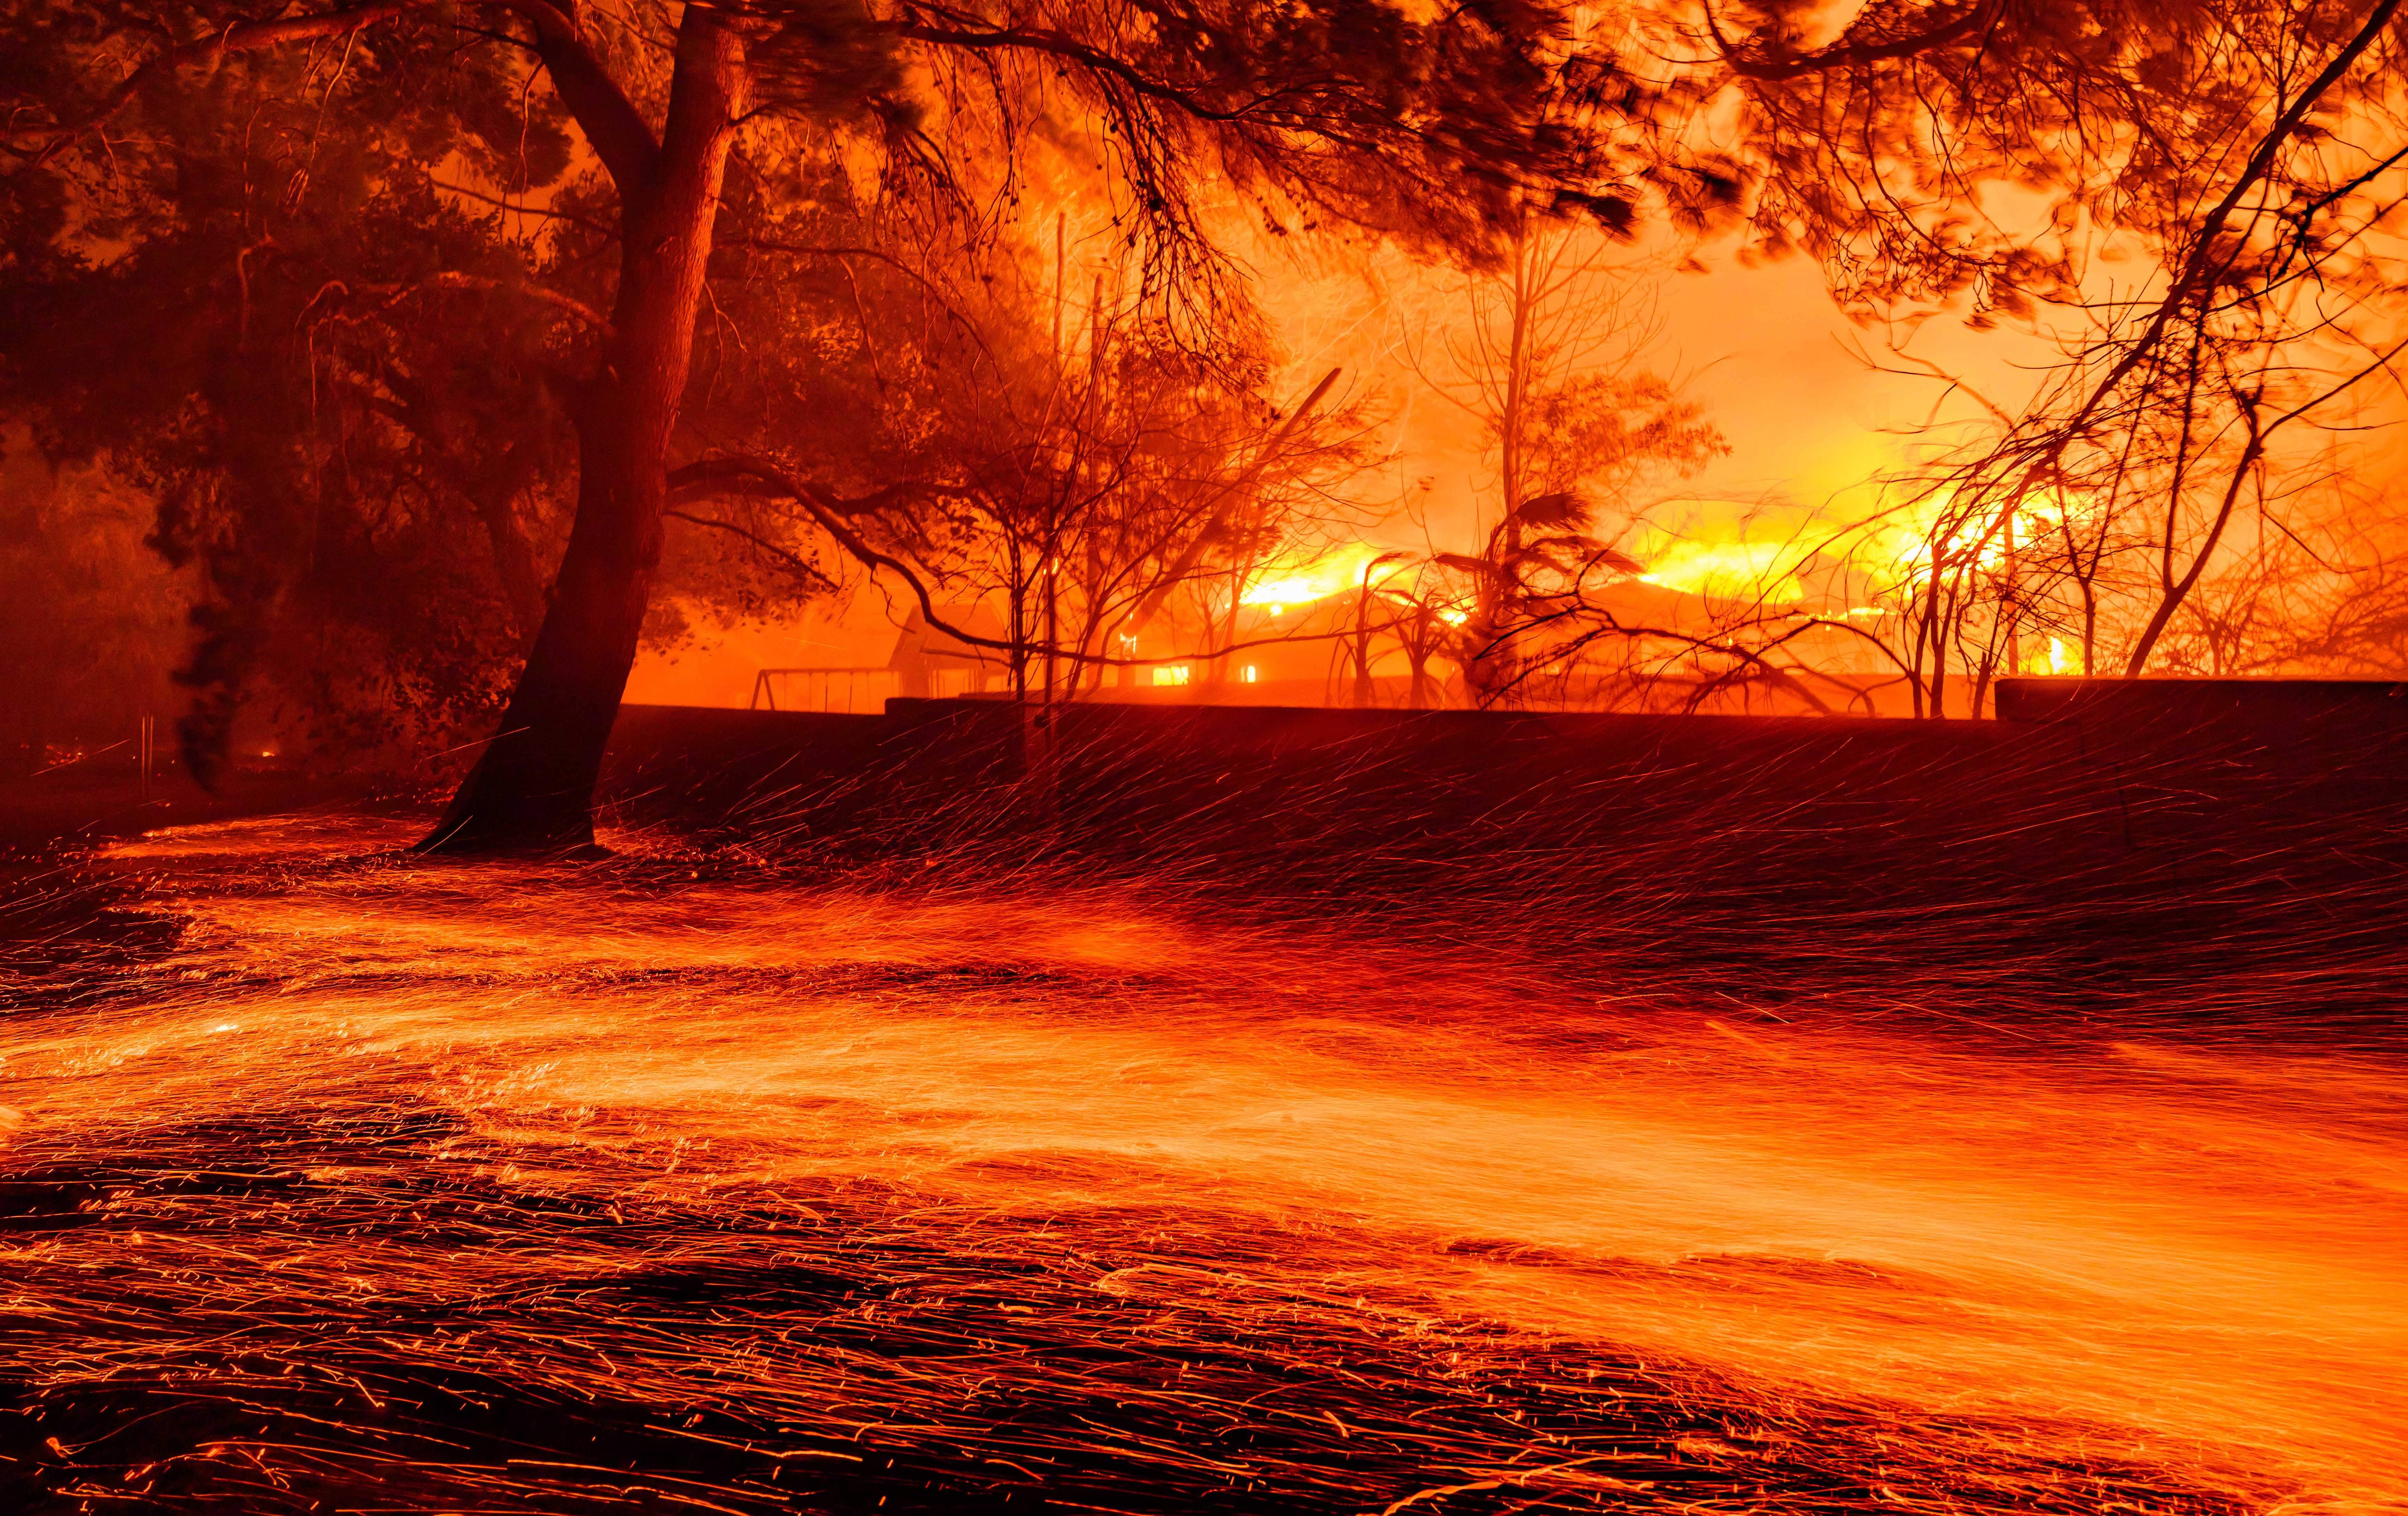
x,y
1175,675
1246,674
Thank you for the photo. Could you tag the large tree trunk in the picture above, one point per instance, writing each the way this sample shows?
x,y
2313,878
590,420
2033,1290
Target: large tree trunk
x,y
532,787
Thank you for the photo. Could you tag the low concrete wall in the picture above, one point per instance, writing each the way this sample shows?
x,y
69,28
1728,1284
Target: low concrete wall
x,y
2114,854
2180,704
2111,791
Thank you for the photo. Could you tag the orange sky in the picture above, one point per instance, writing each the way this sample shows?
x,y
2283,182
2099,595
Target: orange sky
x,y
1763,348
1768,354
1803,416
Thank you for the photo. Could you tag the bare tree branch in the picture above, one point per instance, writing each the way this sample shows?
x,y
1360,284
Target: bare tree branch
x,y
619,134
1847,54
243,36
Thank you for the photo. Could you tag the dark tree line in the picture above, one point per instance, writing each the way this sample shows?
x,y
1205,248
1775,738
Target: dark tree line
x,y
294,156
331,281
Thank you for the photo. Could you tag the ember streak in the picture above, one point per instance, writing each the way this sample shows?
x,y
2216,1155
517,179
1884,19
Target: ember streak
x,y
1131,820
338,1180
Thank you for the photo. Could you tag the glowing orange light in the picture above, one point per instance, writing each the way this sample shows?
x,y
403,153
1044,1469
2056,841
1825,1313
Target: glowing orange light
x,y
1302,582
2044,1244
1727,570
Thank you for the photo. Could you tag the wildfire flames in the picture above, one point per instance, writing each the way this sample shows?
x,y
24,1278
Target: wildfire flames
x,y
343,1182
1556,1080
1307,578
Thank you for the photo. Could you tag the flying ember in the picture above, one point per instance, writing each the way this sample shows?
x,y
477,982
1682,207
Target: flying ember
x,y
1107,1193
1344,757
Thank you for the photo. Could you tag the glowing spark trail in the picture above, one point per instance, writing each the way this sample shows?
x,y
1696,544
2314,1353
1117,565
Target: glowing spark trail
x,y
385,1184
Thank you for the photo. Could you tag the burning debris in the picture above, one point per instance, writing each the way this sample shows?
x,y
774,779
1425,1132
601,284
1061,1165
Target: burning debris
x,y
996,1073
694,1179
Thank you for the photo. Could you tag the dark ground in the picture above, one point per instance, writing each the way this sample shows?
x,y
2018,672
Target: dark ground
x,y
743,1173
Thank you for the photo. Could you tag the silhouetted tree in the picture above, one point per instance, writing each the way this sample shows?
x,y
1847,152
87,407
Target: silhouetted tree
x,y
1357,110
1547,356
2241,161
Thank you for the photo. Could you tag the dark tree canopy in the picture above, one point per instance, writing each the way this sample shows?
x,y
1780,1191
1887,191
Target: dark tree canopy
x,y
2195,199
414,304
293,184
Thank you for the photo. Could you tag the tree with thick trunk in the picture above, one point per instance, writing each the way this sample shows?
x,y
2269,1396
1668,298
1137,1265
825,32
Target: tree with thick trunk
x,y
1370,113
532,786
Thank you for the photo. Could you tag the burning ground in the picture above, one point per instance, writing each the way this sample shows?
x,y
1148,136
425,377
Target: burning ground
x,y
336,1181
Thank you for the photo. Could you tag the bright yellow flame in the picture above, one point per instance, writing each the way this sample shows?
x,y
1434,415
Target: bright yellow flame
x,y
1728,570
1902,543
1302,582
1177,673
